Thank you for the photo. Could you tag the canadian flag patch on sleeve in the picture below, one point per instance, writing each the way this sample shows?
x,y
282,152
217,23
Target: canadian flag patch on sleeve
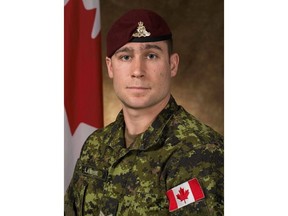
x,y
184,194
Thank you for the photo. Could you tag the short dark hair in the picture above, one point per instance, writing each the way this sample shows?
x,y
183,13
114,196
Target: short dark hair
x,y
170,46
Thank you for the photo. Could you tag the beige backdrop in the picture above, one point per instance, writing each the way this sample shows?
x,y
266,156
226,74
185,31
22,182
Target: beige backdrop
x,y
198,32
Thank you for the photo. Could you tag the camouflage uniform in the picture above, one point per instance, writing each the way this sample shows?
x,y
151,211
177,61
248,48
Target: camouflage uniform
x,y
110,179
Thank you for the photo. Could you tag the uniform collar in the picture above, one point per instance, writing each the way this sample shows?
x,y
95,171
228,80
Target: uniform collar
x,y
150,137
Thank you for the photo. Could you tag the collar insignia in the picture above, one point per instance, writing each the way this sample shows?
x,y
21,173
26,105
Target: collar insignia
x,y
141,31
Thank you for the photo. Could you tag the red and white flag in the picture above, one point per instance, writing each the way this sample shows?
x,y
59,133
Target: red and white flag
x,y
82,77
184,194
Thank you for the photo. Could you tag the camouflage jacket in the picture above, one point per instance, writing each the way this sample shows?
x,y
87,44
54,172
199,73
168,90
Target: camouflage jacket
x,y
110,179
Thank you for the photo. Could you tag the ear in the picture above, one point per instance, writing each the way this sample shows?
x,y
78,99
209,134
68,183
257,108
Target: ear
x,y
174,62
109,67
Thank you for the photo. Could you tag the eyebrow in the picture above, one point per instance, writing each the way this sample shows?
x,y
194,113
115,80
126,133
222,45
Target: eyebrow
x,y
152,46
125,49
146,47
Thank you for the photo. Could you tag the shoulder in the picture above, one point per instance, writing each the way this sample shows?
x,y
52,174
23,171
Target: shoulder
x,y
198,145
96,139
188,129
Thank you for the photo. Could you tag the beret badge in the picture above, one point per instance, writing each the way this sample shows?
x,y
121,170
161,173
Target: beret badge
x,y
141,31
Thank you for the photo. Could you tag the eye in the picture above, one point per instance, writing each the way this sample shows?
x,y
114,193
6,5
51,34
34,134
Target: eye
x,y
125,57
151,56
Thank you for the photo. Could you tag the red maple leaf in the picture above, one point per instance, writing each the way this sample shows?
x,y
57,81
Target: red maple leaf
x,y
183,194
82,67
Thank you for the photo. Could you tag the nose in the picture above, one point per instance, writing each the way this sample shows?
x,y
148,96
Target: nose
x,y
138,70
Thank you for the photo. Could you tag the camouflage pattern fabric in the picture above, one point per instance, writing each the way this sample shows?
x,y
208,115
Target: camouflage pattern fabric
x,y
110,179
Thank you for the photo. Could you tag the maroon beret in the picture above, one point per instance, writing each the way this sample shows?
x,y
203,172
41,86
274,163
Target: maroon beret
x,y
138,25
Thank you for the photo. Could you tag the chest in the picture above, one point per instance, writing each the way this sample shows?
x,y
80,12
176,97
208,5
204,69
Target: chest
x,y
129,182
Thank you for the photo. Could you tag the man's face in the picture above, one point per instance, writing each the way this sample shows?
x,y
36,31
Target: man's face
x,y
141,73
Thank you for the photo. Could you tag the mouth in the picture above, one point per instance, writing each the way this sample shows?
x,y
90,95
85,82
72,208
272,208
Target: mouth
x,y
138,89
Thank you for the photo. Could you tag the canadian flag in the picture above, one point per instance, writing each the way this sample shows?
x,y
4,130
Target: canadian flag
x,y
82,77
184,194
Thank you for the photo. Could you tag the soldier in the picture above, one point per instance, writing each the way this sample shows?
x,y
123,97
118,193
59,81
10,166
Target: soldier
x,y
156,158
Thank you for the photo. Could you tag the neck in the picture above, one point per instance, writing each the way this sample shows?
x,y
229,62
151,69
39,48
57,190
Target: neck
x,y
129,138
138,120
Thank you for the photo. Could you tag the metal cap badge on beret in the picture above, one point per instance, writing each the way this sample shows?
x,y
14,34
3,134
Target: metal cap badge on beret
x,y
138,25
